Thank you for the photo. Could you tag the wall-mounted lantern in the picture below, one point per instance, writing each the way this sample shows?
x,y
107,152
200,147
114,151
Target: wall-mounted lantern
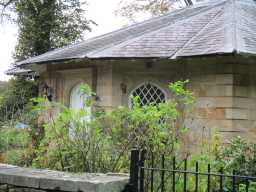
x,y
149,64
47,91
123,87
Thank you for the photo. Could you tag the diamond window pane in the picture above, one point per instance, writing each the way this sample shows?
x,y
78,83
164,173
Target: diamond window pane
x,y
148,94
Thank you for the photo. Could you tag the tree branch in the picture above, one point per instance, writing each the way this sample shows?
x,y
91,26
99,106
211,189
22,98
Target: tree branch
x,y
6,4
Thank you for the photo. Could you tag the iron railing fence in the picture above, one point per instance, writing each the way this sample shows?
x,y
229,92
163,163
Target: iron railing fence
x,y
150,174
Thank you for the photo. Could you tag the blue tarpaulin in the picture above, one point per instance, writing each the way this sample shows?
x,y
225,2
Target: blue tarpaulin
x,y
20,125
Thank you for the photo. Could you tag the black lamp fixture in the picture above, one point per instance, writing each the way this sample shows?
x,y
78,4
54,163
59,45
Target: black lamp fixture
x,y
149,64
47,91
123,87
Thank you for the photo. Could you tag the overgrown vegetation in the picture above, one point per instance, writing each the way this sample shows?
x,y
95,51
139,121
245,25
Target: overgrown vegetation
x,y
43,26
15,98
16,143
102,143
3,85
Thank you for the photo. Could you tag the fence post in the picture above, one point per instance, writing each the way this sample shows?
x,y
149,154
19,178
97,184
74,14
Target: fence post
x,y
134,170
142,164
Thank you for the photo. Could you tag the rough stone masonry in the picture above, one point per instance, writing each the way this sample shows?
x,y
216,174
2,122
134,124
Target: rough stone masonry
x,y
17,179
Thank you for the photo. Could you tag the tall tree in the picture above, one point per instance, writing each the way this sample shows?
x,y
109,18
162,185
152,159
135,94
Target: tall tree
x,y
131,8
46,24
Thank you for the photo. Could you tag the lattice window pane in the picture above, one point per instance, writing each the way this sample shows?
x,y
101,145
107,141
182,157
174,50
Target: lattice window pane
x,y
148,94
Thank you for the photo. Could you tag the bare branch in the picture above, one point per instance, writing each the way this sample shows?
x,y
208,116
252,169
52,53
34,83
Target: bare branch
x,y
6,4
5,8
130,9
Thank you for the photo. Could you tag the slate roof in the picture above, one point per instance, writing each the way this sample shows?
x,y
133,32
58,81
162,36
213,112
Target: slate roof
x,y
19,71
216,27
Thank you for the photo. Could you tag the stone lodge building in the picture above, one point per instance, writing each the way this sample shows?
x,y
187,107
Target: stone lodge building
x,y
211,44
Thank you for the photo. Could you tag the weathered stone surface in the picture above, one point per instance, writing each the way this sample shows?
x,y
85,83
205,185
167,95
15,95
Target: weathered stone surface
x,y
40,180
240,114
3,188
219,90
241,91
210,113
21,189
211,102
226,79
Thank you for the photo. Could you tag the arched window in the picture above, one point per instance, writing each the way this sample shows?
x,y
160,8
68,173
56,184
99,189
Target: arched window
x,y
148,93
77,100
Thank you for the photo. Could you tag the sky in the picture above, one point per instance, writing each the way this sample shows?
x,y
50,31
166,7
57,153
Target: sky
x,y
100,11
8,35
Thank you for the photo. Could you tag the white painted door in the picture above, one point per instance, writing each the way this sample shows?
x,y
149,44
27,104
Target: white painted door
x,y
77,101
76,98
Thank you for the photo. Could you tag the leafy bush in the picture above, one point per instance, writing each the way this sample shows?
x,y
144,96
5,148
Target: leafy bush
x,y
240,156
14,99
15,157
104,143
252,187
13,145
13,138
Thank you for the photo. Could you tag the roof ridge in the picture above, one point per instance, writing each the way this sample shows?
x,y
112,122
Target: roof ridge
x,y
191,39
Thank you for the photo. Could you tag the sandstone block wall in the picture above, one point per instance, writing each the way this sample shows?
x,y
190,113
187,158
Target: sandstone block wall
x,y
225,93
224,87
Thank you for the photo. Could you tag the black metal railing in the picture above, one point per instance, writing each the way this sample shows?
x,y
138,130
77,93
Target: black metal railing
x,y
150,174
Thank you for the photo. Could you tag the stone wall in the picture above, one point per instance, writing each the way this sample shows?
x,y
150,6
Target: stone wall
x,y
225,91
17,179
224,86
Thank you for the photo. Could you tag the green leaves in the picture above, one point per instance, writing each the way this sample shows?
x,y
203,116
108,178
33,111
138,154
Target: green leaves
x,y
131,9
185,96
16,98
103,144
49,24
239,156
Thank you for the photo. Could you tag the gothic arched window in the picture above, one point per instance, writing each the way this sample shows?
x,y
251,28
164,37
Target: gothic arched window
x,y
148,93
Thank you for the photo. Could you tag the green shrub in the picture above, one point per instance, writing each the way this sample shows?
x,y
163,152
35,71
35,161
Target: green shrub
x,y
251,187
239,155
14,144
103,144
14,99
15,157
11,138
